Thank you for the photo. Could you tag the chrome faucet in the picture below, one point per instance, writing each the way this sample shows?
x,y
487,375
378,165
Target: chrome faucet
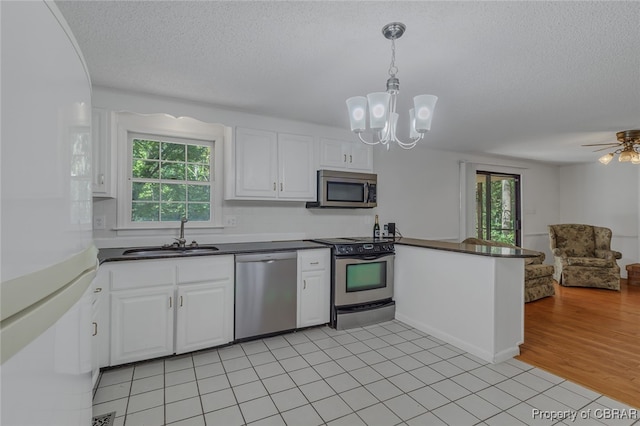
x,y
182,241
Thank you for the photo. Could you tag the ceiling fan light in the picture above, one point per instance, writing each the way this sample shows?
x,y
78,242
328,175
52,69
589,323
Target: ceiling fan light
x,y
635,159
606,159
625,156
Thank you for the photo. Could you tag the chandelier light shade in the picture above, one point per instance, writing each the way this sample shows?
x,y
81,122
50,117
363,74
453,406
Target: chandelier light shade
x,y
627,148
383,118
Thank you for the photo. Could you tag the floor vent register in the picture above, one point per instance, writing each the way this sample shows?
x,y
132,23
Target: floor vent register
x,y
104,419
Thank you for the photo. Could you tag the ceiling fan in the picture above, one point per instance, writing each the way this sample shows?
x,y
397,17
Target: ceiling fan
x,y
627,147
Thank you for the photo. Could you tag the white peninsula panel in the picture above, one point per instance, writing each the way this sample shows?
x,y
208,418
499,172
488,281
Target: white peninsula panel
x,y
473,302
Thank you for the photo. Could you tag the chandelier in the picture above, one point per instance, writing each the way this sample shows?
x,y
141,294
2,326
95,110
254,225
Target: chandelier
x,y
626,147
383,117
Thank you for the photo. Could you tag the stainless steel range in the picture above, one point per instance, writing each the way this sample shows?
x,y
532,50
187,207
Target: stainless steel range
x,y
362,281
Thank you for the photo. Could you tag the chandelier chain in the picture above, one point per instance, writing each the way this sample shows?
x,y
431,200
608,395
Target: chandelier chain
x,y
392,67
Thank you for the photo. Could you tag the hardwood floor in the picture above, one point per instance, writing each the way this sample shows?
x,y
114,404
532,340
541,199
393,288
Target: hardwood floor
x,y
589,336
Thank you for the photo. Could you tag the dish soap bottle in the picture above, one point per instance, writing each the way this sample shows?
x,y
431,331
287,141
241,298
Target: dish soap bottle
x,y
376,229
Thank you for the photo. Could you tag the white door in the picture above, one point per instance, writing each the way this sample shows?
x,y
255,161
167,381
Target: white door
x,y
332,154
314,299
295,167
204,316
142,324
361,157
256,163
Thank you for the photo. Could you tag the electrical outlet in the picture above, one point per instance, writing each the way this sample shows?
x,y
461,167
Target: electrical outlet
x,y
99,222
231,221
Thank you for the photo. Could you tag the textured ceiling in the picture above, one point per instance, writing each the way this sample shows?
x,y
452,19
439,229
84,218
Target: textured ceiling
x,y
531,80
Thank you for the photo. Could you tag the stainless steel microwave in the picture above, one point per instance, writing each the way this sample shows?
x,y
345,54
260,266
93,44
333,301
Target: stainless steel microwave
x,y
346,190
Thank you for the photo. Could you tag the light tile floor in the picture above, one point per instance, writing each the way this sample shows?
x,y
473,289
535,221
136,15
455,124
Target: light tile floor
x,y
386,374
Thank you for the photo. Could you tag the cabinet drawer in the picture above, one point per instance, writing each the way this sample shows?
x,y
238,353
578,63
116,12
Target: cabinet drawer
x,y
313,260
147,273
205,268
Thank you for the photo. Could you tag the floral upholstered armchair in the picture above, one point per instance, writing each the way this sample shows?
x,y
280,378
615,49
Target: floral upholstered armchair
x,y
583,256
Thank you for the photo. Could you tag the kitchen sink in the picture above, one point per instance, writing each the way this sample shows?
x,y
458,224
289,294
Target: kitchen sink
x,y
168,251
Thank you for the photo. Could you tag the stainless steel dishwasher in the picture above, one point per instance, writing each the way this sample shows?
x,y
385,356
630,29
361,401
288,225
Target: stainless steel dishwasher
x,y
266,293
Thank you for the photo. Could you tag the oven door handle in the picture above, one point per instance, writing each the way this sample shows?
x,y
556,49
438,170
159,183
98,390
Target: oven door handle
x,y
374,257
366,192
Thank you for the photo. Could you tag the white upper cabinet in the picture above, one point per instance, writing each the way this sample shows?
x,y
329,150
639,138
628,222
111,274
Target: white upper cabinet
x,y
104,160
256,163
295,167
345,155
264,165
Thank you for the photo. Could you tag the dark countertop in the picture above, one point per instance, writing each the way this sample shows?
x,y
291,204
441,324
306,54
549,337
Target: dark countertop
x,y
491,251
115,254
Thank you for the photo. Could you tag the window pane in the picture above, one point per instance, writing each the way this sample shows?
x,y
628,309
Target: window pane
x,y
144,212
199,192
198,154
174,192
173,171
146,149
199,211
172,211
198,172
144,191
145,169
173,152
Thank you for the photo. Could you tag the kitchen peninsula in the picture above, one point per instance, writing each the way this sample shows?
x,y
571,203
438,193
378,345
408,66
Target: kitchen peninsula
x,y
470,296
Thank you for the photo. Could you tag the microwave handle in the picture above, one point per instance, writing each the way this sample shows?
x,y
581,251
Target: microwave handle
x,y
366,192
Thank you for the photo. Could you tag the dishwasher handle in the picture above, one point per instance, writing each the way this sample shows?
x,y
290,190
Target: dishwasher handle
x,y
266,257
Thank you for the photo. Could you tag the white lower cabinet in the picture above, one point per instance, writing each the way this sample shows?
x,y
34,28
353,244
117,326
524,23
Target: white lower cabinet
x,y
314,284
141,324
204,316
164,307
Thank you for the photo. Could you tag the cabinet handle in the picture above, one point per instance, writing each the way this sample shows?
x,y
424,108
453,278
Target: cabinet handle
x,y
95,328
170,301
181,301
314,263
274,186
350,158
281,187
345,158
304,287
97,290
102,179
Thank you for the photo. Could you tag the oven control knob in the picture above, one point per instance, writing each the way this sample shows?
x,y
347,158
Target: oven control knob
x,y
349,249
390,247
376,248
360,249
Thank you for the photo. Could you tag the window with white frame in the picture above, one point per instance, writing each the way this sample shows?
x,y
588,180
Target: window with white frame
x,y
170,168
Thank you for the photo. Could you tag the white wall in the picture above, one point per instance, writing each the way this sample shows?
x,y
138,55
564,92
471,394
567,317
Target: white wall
x,y
605,196
256,221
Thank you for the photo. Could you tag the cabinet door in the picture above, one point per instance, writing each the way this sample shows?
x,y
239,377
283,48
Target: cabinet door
x,y
141,324
102,156
204,316
314,298
295,167
101,305
256,163
361,157
95,342
333,154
